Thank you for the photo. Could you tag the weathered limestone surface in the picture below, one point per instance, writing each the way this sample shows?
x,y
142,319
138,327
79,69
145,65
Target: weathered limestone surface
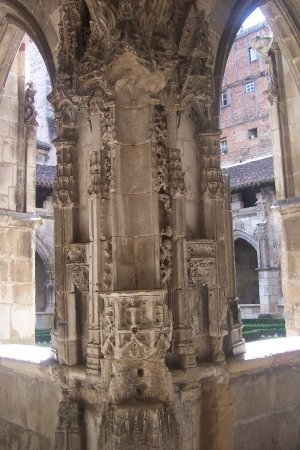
x,y
146,308
265,397
17,284
17,200
261,404
29,419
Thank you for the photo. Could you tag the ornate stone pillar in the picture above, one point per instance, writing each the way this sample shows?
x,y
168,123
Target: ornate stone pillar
x,y
173,232
212,188
142,280
100,207
64,335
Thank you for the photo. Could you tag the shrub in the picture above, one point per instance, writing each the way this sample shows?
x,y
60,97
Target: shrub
x,y
42,336
254,329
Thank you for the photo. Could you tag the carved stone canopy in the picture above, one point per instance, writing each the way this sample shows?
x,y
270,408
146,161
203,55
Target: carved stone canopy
x,y
165,44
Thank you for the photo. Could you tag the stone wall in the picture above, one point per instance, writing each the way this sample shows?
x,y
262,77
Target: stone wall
x,y
265,394
262,401
17,284
29,419
9,132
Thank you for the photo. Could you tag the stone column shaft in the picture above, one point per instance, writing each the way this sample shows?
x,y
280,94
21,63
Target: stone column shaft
x,y
64,337
183,345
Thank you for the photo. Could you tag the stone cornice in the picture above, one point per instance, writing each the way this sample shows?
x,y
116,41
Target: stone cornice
x,y
14,219
286,206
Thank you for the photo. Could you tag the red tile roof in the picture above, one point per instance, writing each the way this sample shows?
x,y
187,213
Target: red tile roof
x,y
253,173
45,175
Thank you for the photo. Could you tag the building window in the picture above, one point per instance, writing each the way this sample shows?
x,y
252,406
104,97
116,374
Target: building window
x,y
253,54
252,133
224,99
250,87
223,146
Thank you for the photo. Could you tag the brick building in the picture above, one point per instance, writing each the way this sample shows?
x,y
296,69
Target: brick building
x,y
244,117
246,149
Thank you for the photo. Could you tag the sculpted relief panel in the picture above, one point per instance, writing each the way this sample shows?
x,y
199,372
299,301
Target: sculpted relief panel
x,y
135,325
200,262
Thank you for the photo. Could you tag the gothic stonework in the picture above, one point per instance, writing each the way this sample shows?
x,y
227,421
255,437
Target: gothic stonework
x,y
95,174
30,112
166,257
135,325
200,261
149,428
161,158
108,142
260,232
102,160
268,49
76,262
65,187
212,185
108,265
176,174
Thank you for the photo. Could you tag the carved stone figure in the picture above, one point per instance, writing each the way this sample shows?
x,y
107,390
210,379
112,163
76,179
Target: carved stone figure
x,y
30,112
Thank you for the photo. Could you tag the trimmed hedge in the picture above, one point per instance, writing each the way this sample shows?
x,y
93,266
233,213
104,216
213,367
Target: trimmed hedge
x,y
254,329
42,336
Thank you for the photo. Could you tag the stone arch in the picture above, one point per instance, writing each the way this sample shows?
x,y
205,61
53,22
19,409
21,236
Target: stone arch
x,y
35,22
239,234
48,262
282,23
247,277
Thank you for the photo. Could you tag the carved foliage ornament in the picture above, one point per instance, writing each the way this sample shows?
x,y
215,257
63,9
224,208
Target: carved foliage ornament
x,y
65,186
168,177
166,256
212,184
260,232
77,264
135,325
159,33
200,261
101,162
